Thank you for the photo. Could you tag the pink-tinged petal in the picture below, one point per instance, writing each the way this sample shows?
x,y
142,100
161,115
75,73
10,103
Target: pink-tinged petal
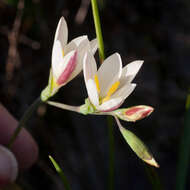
x,y
89,66
134,113
92,92
109,72
61,32
68,70
130,70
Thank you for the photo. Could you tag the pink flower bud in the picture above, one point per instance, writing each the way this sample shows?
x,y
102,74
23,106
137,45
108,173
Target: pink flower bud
x,y
134,113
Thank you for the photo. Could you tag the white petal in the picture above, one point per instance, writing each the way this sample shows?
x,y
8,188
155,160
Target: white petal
x,y
89,66
129,71
92,92
125,91
69,47
94,45
110,105
109,72
61,32
117,98
59,68
74,44
79,39
57,58
81,50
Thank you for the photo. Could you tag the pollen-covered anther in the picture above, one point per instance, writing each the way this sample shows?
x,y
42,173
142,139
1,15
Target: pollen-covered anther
x,y
111,91
63,53
97,83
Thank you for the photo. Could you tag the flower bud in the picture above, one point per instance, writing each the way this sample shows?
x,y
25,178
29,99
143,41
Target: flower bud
x,y
134,113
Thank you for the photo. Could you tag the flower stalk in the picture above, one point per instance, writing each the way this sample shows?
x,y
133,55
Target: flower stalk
x,y
98,29
23,120
110,120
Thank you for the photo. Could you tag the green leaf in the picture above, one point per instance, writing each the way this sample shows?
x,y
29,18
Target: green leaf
x,y
138,146
61,174
184,152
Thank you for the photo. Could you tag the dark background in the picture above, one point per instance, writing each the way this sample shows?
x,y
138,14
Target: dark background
x,y
154,31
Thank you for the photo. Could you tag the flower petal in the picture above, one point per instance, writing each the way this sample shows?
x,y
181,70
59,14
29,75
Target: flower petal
x,y
57,59
59,67
94,45
74,44
69,47
110,105
79,39
129,71
117,98
109,72
92,92
61,32
69,68
81,50
125,91
89,66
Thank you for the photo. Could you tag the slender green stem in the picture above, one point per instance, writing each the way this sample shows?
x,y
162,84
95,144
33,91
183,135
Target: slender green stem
x,y
65,106
110,120
23,120
61,174
111,153
98,29
184,152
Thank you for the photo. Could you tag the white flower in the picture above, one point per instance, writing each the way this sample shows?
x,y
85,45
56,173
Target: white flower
x,y
67,58
110,85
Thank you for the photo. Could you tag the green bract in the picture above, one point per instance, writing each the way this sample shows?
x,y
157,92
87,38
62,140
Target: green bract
x,y
87,108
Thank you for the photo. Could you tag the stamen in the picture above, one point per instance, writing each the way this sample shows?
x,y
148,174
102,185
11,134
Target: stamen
x,y
63,53
112,89
97,82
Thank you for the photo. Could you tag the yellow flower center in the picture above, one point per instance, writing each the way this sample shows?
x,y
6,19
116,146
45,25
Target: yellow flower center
x,y
111,90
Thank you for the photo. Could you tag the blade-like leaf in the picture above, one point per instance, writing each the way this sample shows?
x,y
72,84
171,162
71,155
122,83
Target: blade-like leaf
x,y
137,145
61,174
184,152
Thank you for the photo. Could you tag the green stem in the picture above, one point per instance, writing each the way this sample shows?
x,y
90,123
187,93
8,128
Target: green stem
x,y
110,120
65,106
184,151
23,120
98,29
111,153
